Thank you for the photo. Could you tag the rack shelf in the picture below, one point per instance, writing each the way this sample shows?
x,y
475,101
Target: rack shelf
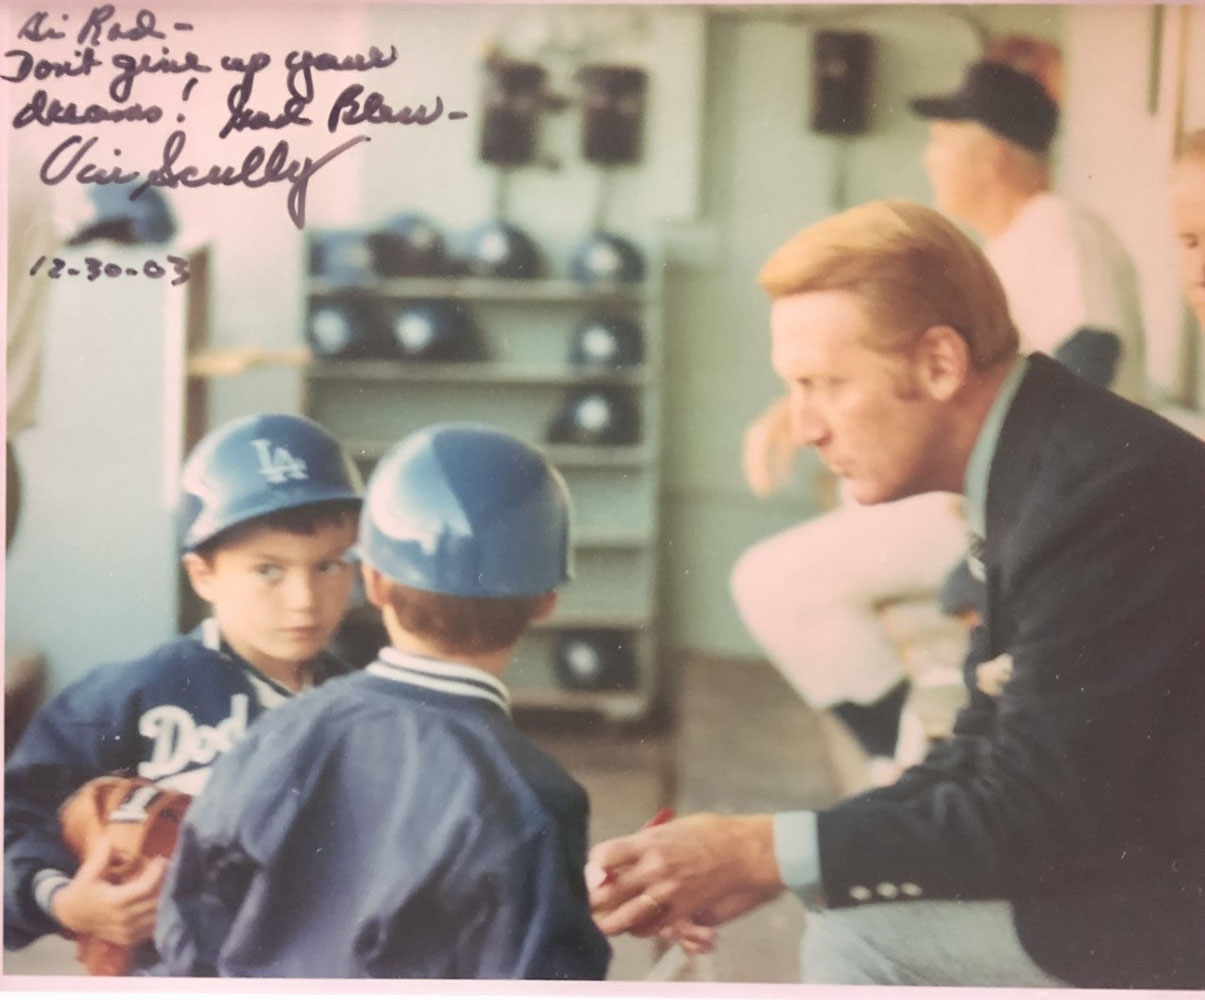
x,y
537,292
473,372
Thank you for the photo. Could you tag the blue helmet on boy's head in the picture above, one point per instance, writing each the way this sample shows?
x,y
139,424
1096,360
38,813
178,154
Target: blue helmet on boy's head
x,y
470,511
258,465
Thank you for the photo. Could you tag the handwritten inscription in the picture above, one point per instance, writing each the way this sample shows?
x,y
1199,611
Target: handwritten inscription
x,y
125,50
259,167
94,268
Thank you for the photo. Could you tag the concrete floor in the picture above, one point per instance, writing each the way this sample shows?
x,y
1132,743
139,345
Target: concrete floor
x,y
742,742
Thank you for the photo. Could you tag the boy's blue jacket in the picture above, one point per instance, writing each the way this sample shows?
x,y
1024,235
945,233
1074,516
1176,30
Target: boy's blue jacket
x,y
391,824
166,717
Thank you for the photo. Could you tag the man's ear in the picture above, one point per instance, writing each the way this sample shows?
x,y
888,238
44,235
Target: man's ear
x,y
943,362
376,587
200,575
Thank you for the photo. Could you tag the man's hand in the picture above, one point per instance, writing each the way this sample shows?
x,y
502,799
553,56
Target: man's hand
x,y
120,914
703,870
769,450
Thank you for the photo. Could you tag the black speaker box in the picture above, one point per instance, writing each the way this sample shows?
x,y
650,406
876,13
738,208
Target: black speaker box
x,y
514,95
841,81
613,99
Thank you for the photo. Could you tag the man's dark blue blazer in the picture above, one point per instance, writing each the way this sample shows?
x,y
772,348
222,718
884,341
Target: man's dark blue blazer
x,y
1077,792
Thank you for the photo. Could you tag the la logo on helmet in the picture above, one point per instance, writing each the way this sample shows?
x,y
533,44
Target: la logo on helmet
x,y
277,465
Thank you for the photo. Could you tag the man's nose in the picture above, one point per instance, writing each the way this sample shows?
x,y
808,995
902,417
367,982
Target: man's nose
x,y
807,426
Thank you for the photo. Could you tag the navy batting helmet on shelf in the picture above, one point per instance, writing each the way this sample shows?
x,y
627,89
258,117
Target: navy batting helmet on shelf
x,y
145,219
409,245
341,256
258,465
596,415
436,331
603,258
347,328
607,341
467,510
595,660
500,250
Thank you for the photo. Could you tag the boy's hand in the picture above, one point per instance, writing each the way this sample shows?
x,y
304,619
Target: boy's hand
x,y
121,914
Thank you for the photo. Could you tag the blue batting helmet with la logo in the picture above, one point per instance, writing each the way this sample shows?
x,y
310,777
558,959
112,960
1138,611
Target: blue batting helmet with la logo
x,y
258,465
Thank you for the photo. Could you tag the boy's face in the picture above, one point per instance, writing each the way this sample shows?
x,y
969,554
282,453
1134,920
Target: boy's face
x,y
278,596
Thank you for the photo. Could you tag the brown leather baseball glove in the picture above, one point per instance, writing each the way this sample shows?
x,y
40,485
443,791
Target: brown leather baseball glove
x,y
142,821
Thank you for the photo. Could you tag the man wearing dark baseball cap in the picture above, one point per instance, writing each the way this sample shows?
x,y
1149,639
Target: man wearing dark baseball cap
x,y
1072,289
1063,269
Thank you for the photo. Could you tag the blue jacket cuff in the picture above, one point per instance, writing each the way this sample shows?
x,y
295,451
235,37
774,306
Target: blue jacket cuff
x,y
798,852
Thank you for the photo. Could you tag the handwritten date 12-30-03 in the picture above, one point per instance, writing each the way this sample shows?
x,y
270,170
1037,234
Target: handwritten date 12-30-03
x,y
95,268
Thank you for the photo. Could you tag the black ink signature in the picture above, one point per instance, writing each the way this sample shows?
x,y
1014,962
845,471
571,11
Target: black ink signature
x,y
348,110
258,168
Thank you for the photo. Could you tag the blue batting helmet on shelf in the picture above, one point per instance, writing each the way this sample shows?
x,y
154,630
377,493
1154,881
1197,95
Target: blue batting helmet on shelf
x,y
500,250
592,415
603,258
409,245
341,256
595,660
436,331
144,219
607,341
347,328
467,510
258,465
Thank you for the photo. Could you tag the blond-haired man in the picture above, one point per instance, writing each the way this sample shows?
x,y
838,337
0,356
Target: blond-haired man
x,y
1072,291
1059,836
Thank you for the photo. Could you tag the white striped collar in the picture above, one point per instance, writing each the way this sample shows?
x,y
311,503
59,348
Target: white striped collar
x,y
440,675
211,635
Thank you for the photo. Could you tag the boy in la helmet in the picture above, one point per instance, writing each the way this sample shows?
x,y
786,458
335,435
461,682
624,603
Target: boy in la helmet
x,y
395,823
269,509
